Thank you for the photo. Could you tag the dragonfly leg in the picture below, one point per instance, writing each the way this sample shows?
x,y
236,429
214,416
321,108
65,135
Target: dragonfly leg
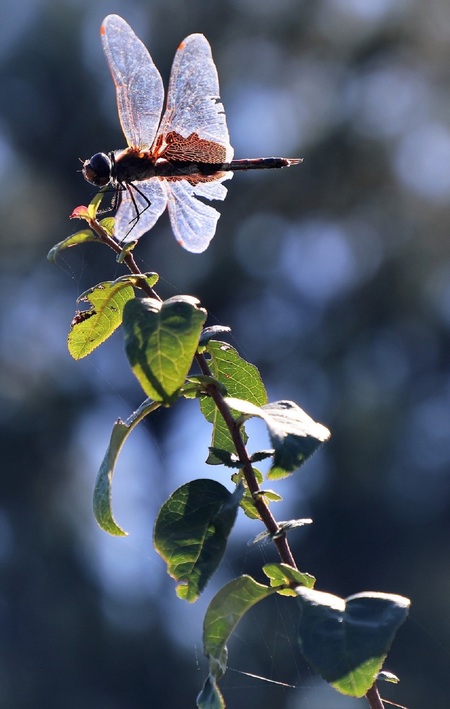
x,y
130,187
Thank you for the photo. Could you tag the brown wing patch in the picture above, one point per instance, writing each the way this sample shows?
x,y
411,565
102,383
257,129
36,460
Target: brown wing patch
x,y
192,148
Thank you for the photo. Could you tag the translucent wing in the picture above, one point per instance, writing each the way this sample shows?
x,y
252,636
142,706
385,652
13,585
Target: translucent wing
x,y
150,202
194,222
193,104
139,87
193,129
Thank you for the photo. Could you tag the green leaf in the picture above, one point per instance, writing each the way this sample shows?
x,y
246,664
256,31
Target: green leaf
x,y
81,237
103,485
210,696
241,380
230,460
107,224
248,507
293,434
191,532
160,341
127,249
271,495
247,504
257,456
347,640
280,574
224,612
90,328
96,201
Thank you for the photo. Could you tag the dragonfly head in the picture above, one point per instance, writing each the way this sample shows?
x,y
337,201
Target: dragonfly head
x,y
98,169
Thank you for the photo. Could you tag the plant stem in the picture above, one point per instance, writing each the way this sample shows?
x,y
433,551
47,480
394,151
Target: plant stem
x,y
281,542
374,699
264,512
128,259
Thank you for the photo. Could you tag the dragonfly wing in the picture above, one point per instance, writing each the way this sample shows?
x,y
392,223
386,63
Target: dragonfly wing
x,y
139,87
133,219
193,104
194,222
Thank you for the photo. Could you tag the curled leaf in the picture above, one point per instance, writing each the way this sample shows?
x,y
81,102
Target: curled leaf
x,y
293,434
102,502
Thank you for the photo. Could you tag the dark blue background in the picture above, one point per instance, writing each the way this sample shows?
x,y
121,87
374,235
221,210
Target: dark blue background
x,y
335,279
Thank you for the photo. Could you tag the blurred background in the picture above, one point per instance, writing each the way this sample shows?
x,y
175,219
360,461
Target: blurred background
x,y
335,279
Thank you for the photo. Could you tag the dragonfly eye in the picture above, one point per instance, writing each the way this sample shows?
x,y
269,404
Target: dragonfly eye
x,y
97,170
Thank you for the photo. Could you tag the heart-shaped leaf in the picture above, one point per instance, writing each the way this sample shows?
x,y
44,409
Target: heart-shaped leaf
x,y
347,640
161,340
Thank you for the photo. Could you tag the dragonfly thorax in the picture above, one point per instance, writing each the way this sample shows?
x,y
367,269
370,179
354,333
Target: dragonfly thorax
x,y
98,170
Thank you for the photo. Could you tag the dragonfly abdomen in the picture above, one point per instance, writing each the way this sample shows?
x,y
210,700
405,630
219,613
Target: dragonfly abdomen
x,y
260,163
175,168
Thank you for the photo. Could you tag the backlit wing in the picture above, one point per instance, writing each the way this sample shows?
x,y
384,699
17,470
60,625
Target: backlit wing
x,y
194,128
139,87
193,104
194,222
150,202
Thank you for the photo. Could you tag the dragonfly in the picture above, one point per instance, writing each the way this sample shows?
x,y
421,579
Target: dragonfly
x,y
173,162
